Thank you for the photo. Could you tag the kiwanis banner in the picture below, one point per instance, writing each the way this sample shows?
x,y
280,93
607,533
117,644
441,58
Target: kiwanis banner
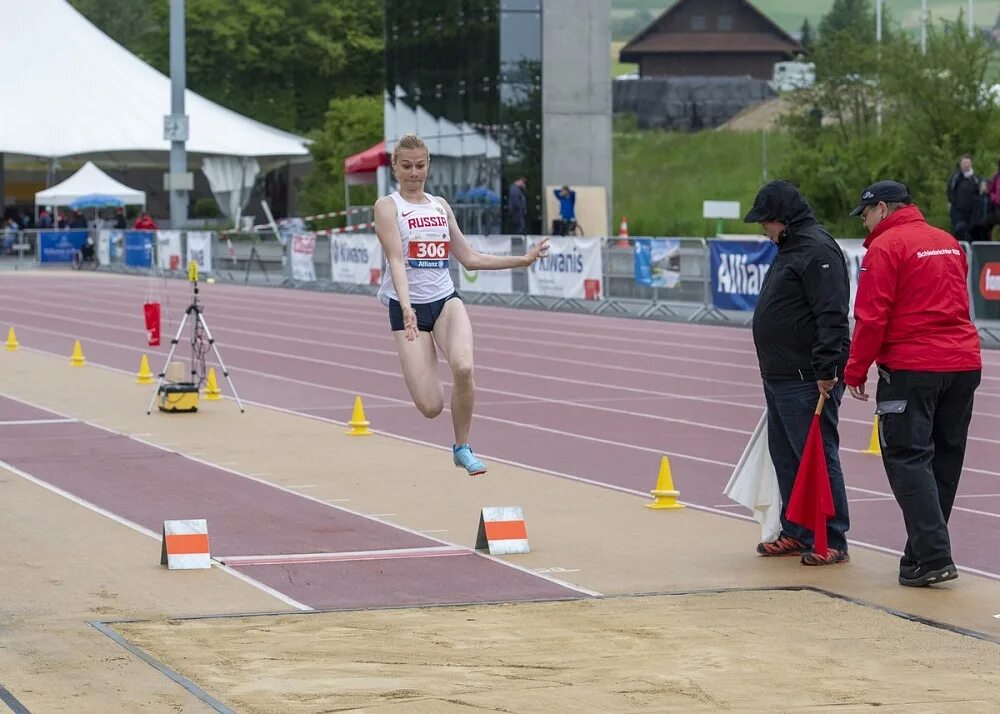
x,y
572,269
487,281
355,259
738,270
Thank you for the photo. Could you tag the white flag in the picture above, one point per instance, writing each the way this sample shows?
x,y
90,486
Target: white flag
x,y
754,484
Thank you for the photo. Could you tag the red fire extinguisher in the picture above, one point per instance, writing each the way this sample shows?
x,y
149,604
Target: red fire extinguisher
x,y
152,313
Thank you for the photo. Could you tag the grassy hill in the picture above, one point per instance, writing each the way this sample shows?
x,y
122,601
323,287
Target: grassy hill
x,y
661,178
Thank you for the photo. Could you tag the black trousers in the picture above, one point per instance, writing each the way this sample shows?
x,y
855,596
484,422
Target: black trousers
x,y
923,426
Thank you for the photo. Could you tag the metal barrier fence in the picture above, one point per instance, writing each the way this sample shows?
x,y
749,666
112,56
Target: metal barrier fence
x,y
690,279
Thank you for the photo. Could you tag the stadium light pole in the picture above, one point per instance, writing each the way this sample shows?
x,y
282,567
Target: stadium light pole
x,y
923,27
175,125
878,42
972,12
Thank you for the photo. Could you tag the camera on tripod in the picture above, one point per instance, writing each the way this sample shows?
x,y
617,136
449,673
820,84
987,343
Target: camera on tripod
x,y
176,396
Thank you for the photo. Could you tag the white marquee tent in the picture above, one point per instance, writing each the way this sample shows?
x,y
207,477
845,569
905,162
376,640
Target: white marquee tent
x,y
89,180
71,91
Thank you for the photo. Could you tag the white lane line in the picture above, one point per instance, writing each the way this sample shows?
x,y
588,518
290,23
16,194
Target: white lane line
x,y
145,531
32,422
344,557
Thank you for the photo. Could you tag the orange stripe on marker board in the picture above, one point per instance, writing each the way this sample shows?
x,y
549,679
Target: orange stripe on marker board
x,y
188,544
506,530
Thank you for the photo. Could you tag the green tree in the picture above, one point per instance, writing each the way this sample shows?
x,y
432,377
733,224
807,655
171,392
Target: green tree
x,y
127,22
807,36
855,16
351,124
278,61
935,106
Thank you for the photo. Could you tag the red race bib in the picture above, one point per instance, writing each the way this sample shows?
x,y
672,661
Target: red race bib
x,y
429,252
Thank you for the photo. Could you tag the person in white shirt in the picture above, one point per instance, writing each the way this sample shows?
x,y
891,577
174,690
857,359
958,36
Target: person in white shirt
x,y
419,234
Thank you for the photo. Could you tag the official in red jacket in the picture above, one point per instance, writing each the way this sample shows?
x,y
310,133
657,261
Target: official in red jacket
x,y
912,320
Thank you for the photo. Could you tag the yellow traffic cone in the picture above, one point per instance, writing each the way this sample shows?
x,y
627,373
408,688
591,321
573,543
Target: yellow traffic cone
x,y
874,447
144,376
11,340
77,359
664,495
212,391
358,423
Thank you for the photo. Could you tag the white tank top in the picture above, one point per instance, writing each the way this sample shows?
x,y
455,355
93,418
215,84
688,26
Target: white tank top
x,y
426,251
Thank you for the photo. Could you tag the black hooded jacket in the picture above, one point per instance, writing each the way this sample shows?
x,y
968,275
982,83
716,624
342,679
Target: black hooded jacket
x,y
800,324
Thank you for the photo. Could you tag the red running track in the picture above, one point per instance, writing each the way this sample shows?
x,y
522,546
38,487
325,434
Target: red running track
x,y
586,397
319,555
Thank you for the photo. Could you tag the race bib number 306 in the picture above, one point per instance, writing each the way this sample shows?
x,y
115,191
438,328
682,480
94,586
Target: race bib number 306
x,y
429,252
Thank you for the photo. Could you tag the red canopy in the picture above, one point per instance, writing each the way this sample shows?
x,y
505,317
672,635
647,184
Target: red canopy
x,y
367,161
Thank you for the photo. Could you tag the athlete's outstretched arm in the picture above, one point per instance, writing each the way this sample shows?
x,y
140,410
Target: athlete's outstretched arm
x,y
392,247
474,260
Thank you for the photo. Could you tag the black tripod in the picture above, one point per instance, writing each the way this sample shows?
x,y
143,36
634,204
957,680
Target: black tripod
x,y
199,333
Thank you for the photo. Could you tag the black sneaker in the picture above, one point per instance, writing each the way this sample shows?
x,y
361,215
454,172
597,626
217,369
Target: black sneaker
x,y
918,576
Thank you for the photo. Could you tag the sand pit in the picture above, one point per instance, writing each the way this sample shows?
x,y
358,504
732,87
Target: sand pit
x,y
748,650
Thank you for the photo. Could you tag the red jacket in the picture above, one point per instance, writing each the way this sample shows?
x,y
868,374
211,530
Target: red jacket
x,y
912,307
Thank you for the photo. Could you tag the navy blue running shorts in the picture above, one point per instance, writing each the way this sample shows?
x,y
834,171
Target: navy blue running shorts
x,y
427,313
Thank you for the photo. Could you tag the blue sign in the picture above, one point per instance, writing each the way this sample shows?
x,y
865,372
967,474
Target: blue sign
x,y
657,262
60,246
738,270
139,249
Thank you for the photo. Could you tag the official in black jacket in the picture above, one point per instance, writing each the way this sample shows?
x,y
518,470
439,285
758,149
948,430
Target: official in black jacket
x,y
802,336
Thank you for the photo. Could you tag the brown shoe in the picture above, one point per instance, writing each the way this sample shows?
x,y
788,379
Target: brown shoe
x,y
832,557
783,546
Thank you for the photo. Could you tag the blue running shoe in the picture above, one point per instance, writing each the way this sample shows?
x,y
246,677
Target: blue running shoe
x,y
465,459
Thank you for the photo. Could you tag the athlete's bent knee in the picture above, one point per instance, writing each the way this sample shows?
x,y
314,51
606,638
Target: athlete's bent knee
x,y
430,409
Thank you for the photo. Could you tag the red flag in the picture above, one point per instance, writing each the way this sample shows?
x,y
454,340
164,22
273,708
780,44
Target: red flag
x,y
151,310
811,503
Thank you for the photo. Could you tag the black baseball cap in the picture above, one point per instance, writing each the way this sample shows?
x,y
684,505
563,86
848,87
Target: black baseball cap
x,y
887,191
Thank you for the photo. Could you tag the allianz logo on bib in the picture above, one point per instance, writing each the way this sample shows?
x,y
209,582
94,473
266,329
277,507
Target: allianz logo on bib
x,y
346,254
736,276
423,263
989,281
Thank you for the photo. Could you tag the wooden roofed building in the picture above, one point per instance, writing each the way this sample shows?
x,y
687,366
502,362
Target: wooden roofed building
x,y
713,38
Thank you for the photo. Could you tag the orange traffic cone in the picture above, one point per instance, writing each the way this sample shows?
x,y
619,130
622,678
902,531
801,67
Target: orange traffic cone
x,y
623,233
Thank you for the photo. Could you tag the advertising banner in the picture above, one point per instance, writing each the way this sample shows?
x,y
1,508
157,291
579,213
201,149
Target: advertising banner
x,y
657,262
168,250
738,270
303,257
60,246
487,281
985,279
356,259
139,249
572,269
199,249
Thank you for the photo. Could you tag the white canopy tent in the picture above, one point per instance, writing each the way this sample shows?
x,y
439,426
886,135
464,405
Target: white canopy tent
x,y
78,93
86,181
73,93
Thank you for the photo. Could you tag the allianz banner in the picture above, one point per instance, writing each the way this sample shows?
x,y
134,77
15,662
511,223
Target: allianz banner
x,y
572,269
60,246
985,280
487,281
355,259
738,270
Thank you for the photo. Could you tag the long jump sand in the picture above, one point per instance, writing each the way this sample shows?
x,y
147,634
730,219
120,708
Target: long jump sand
x,y
741,651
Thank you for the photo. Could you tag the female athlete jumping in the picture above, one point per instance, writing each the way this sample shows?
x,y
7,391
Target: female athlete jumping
x,y
419,234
